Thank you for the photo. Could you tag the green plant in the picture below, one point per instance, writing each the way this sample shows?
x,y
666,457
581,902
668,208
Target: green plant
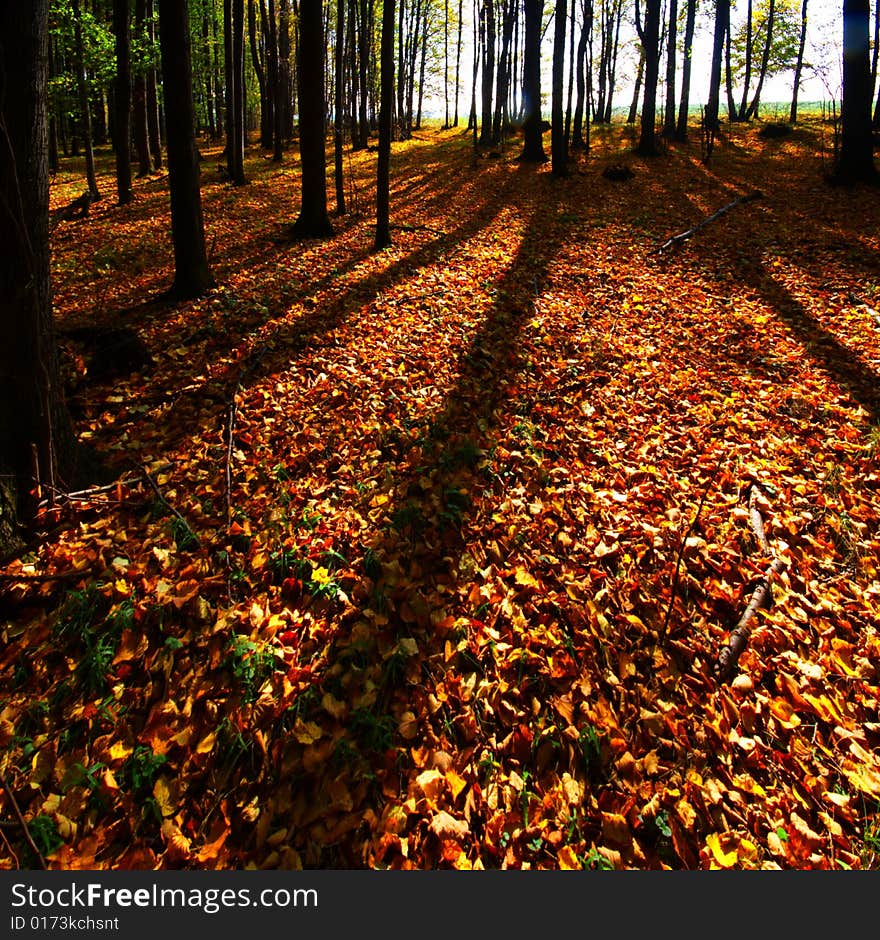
x,y
594,860
251,666
374,733
184,537
591,751
44,832
141,768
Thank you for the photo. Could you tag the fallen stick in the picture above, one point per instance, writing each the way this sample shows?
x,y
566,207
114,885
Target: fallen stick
x,y
169,507
677,240
739,638
22,822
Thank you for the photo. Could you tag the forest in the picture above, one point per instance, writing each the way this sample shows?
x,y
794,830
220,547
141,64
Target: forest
x,y
439,435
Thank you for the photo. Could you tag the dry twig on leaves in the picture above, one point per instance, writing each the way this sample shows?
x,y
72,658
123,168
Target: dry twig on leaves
x,y
677,240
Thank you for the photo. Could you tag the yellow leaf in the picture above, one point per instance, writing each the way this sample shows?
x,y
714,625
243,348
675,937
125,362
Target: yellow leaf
x,y
307,732
783,712
119,751
724,859
568,860
165,797
206,745
862,777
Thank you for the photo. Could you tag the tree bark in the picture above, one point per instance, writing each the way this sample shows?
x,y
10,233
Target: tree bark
x,y
722,20
681,127
122,101
154,123
651,43
856,159
37,446
558,140
313,221
533,143
671,43
192,274
84,108
386,103
339,89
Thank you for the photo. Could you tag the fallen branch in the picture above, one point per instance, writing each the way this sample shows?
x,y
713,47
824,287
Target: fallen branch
x,y
23,823
739,638
170,508
677,240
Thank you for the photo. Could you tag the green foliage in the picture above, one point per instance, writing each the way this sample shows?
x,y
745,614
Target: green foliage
x,y
44,832
93,627
141,768
250,665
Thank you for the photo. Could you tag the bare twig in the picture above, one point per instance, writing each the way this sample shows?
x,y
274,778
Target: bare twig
x,y
681,548
677,240
22,822
171,509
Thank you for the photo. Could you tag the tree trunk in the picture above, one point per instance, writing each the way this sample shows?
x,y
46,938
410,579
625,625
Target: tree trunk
x,y
139,98
856,159
558,141
339,70
239,95
266,101
637,90
488,15
765,61
37,446
533,143
458,62
671,43
275,87
192,274
122,101
651,42
84,109
722,19
313,221
740,113
154,124
386,96
581,106
799,65
681,127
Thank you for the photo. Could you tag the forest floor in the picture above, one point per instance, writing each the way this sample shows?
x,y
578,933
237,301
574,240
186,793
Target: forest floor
x,y
455,592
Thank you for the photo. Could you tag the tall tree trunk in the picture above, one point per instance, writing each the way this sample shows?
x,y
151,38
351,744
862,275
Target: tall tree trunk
x,y
339,90
488,14
637,89
651,41
239,95
192,274
266,100
37,447
558,141
581,104
458,61
722,19
671,53
681,127
765,62
154,122
122,102
284,70
228,89
208,75
139,98
740,113
799,65
363,63
446,63
386,96
533,143
856,159
84,108
275,87
313,221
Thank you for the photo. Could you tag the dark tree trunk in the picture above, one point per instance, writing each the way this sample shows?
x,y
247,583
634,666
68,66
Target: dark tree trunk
x,y
651,43
637,90
229,89
533,142
488,15
139,98
581,107
558,140
85,111
274,69
722,20
363,63
856,159
502,115
765,62
671,52
37,446
154,123
286,92
458,62
122,101
339,70
681,127
740,113
266,100
386,104
192,274
799,65
239,97
313,221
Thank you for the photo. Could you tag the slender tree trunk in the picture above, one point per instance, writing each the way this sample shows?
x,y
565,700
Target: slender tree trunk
x,y
637,90
681,127
722,19
651,42
363,62
799,65
154,122
267,101
339,91
581,104
533,143
765,61
284,69
313,221
740,113
671,52
192,274
122,123
228,89
84,109
558,142
488,15
458,61
275,87
446,63
239,94
856,159
386,94
37,446
139,98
